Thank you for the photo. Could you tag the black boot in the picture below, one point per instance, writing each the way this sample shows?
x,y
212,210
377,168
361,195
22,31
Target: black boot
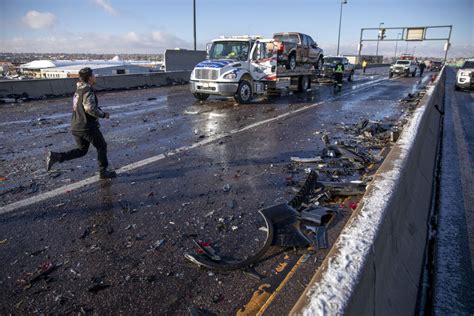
x,y
105,174
51,159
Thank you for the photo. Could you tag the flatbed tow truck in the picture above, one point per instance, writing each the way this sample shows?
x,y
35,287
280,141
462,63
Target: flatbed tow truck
x,y
246,66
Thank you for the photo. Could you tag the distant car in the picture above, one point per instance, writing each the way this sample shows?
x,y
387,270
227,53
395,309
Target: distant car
x,y
404,67
465,76
436,66
298,48
328,67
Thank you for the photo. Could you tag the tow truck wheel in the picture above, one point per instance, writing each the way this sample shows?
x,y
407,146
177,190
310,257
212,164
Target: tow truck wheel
x,y
244,92
303,83
291,65
201,96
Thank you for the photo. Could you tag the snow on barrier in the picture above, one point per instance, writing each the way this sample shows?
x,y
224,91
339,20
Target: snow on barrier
x,y
374,267
40,88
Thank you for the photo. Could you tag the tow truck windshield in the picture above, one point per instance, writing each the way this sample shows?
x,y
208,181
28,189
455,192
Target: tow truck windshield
x,y
238,50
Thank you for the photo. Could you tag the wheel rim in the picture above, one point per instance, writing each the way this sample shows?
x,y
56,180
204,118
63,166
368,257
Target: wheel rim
x,y
293,63
245,92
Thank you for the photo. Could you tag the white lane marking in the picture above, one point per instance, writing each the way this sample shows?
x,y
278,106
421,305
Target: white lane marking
x,y
77,185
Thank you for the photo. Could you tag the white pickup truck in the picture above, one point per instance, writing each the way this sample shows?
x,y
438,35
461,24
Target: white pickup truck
x,y
245,66
404,67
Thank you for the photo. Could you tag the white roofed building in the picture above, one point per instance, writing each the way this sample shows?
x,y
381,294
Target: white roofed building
x,y
99,69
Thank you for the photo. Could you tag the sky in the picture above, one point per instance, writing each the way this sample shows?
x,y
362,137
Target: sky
x,y
151,26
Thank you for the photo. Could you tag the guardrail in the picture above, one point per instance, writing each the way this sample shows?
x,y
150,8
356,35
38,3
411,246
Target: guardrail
x,y
374,267
42,88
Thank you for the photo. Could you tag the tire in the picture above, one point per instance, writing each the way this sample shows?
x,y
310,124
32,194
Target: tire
x,y
390,74
407,73
303,83
244,92
319,64
456,88
413,74
350,76
291,64
201,96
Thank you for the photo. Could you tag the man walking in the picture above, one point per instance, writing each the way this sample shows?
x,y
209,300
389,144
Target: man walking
x,y
85,126
422,67
364,65
338,75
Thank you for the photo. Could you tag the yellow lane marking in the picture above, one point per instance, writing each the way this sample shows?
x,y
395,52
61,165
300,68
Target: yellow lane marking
x,y
257,300
290,274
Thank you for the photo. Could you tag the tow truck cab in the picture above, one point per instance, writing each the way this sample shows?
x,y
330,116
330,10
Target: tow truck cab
x,y
237,66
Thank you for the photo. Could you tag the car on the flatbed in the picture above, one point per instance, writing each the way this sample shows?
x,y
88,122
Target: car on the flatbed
x,y
297,48
329,62
465,75
404,67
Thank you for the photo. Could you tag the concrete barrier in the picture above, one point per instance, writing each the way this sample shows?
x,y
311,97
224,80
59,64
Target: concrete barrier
x,y
59,87
374,268
180,59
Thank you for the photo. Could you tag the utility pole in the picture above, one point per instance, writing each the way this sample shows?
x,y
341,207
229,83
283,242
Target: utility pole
x,y
194,20
340,21
378,39
396,46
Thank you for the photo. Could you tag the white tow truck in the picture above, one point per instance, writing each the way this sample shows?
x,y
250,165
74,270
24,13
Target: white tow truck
x,y
245,66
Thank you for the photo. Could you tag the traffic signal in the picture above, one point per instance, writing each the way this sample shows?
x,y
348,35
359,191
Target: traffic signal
x,y
382,34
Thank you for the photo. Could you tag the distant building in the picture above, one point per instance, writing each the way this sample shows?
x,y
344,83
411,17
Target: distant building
x,y
6,67
70,68
108,69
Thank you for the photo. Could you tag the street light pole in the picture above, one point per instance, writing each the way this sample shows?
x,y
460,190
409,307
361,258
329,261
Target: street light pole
x,y
396,46
378,40
194,22
340,21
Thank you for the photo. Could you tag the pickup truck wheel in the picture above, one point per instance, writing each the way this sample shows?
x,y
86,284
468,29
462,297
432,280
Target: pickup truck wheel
x,y
319,64
390,74
413,74
456,87
291,65
244,92
201,96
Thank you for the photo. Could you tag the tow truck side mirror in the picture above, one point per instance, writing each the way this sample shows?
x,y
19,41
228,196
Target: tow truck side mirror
x,y
208,48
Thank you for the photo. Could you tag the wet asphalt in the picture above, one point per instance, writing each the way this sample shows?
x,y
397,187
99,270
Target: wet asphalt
x,y
118,245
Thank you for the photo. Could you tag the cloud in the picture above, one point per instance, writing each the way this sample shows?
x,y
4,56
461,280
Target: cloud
x,y
39,20
130,42
106,6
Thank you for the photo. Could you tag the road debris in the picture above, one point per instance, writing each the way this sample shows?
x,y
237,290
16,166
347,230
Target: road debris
x,y
98,285
306,160
27,280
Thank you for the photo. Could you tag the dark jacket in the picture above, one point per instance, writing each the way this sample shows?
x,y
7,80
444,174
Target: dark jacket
x,y
86,111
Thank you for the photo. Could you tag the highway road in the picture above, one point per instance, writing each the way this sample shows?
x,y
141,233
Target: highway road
x,y
187,170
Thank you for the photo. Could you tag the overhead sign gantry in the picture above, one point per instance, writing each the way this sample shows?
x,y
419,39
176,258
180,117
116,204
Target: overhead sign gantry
x,y
408,34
